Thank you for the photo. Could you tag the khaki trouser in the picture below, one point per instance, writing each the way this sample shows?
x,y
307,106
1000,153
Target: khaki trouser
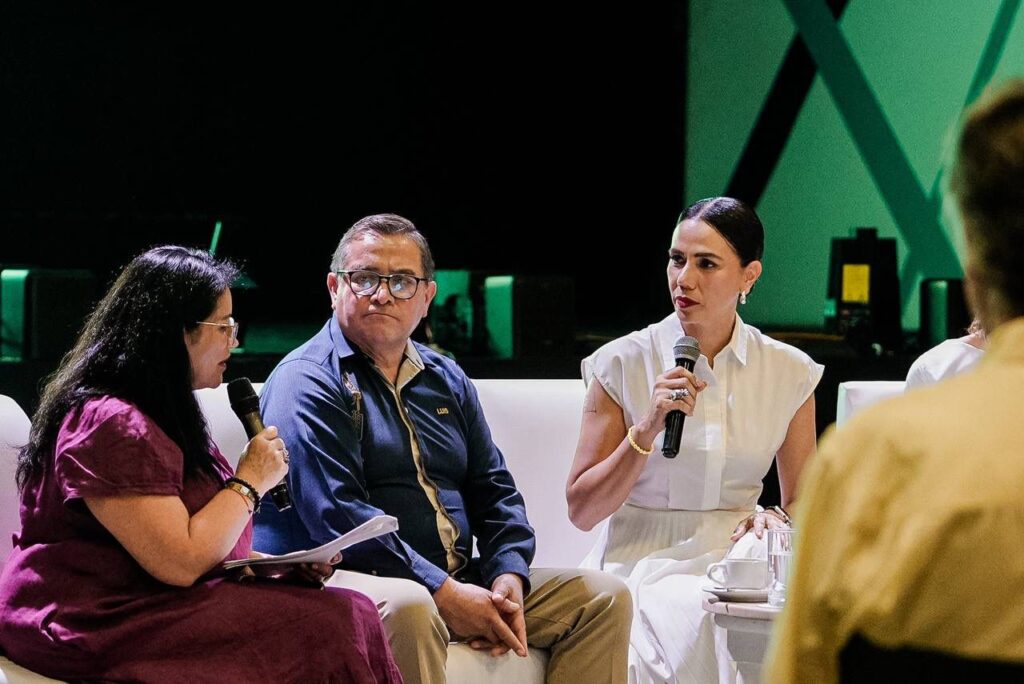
x,y
581,616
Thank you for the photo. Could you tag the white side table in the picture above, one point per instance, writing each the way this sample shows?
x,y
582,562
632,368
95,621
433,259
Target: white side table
x,y
748,627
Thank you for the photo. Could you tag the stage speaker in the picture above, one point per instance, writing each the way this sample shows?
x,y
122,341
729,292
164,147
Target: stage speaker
x,y
42,311
863,300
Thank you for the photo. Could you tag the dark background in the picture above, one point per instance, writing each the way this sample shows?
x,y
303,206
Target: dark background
x,y
529,139
532,139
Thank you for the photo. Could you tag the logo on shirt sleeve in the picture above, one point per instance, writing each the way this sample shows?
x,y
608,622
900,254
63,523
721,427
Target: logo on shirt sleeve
x,y
442,410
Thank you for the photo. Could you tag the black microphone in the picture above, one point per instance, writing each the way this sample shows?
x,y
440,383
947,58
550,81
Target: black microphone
x,y
687,351
246,406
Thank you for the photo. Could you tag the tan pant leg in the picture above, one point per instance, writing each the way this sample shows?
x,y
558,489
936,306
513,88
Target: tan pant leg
x,y
583,617
416,632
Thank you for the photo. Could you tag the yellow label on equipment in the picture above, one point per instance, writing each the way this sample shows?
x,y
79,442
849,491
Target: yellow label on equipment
x,y
857,283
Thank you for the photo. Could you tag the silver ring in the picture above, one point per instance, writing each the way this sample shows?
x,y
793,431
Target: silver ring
x,y
284,455
678,394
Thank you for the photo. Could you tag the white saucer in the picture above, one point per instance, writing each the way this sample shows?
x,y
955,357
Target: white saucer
x,y
739,595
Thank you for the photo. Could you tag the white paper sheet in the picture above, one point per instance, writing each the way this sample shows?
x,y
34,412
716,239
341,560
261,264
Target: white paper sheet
x,y
374,527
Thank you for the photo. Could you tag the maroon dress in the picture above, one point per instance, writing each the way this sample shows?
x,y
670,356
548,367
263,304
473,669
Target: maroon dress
x,y
75,605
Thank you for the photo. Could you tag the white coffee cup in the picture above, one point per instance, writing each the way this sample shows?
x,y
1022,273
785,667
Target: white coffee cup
x,y
740,573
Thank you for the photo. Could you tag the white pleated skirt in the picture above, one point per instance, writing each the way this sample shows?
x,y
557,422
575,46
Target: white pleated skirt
x,y
663,556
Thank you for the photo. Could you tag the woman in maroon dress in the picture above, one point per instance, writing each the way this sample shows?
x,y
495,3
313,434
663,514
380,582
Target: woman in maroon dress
x,y
127,512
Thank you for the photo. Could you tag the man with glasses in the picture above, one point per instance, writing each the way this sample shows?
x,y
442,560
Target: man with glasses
x,y
376,423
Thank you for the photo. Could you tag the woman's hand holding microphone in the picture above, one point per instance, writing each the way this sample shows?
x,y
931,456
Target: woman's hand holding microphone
x,y
674,390
264,462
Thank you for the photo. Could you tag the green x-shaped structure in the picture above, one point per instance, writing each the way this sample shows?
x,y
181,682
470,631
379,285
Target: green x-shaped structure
x,y
915,211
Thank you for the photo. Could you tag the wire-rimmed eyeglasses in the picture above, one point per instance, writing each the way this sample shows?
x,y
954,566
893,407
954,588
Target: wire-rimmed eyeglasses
x,y
231,325
366,283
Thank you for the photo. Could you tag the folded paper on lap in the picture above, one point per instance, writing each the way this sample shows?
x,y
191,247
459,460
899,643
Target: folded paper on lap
x,y
374,527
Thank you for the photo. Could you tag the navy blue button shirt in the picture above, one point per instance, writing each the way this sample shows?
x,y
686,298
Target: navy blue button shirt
x,y
339,479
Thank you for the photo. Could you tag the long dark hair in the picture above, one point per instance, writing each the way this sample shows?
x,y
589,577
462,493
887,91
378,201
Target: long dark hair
x,y
132,346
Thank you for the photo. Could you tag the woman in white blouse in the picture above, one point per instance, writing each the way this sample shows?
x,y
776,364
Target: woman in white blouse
x,y
948,358
748,400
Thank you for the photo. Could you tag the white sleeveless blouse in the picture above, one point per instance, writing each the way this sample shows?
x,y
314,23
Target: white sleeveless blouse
x,y
740,421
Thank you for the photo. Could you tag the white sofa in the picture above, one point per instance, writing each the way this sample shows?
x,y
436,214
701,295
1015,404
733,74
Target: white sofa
x,y
534,422
14,427
857,395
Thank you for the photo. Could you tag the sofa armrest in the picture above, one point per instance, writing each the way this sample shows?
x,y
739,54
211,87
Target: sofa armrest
x,y
856,395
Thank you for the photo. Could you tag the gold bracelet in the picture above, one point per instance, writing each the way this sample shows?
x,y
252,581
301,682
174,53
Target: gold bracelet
x,y
243,492
637,447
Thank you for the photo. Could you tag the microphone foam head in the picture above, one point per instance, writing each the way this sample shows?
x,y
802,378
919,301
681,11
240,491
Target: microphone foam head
x,y
242,397
686,347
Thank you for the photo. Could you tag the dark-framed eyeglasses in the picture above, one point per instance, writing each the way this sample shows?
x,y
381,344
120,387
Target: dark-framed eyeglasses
x,y
231,325
366,283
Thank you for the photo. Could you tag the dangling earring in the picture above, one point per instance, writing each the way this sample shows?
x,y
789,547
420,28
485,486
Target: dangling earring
x,y
743,297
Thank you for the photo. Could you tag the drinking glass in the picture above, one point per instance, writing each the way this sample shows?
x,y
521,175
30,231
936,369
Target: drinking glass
x,y
780,560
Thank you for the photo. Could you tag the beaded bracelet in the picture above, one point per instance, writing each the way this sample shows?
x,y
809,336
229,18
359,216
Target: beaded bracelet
x,y
245,489
637,447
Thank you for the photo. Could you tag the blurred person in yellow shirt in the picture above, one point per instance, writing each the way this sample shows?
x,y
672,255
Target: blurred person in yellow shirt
x,y
911,521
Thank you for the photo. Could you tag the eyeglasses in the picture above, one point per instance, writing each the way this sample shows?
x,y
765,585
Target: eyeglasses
x,y
231,325
366,283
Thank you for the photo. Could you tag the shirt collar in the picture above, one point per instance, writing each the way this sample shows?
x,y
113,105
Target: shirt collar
x,y
413,355
345,349
669,330
342,346
738,342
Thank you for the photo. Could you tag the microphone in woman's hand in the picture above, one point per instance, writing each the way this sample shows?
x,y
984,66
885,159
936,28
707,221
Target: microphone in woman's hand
x,y
246,406
687,351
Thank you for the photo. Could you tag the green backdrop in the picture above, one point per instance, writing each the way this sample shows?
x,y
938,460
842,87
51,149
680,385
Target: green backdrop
x,y
869,143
